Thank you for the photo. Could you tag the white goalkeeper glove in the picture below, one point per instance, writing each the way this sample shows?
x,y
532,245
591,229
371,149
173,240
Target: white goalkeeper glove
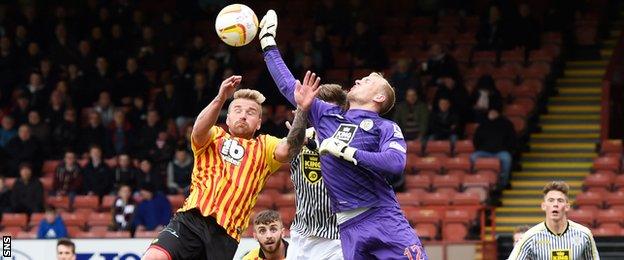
x,y
268,29
339,149
310,136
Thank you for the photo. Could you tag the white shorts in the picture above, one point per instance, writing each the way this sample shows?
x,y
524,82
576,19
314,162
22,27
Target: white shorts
x,y
313,248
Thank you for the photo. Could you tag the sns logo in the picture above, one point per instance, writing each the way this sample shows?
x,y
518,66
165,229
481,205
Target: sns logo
x,y
345,132
232,152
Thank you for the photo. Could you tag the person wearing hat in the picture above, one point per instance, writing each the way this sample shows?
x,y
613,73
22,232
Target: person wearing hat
x,y
154,211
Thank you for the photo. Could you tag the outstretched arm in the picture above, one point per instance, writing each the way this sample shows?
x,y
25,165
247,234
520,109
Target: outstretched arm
x,y
304,96
208,116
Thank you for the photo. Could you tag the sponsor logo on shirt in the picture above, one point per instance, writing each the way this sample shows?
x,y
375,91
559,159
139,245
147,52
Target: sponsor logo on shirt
x,y
311,167
345,132
232,151
560,255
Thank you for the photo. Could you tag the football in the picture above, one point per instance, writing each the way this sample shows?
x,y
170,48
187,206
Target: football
x,y
236,25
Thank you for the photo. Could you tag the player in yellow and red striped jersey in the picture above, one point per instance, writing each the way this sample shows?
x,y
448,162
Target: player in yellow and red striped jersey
x,y
230,170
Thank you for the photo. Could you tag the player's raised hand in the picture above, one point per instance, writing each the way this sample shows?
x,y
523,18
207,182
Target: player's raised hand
x,y
306,92
268,29
228,86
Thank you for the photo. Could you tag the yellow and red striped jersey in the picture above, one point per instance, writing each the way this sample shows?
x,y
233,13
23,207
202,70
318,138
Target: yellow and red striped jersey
x,y
228,174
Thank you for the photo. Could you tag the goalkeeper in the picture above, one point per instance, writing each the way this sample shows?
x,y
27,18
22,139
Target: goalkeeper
x,y
360,150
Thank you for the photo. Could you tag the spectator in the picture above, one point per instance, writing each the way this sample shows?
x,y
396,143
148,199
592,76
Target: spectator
x,y
24,148
66,134
7,132
214,73
179,172
53,114
5,197
366,49
149,130
99,80
20,110
267,126
35,90
443,122
202,93
61,49
68,177
65,249
491,33
27,192
154,211
31,59
51,226
527,31
92,134
104,106
412,115
440,63
484,98
148,177
49,76
132,82
138,112
98,178
123,208
459,97
38,128
323,45
168,102
120,133
496,138
198,49
182,76
81,93
314,56
403,78
125,173
85,58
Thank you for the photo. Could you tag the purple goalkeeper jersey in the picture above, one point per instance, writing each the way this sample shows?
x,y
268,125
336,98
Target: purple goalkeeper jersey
x,y
380,144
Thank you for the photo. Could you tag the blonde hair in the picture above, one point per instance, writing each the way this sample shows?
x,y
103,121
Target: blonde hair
x,y
250,94
333,93
388,91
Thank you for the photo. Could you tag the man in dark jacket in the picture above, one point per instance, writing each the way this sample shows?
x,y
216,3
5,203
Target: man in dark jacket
x,y
98,178
496,138
27,193
412,115
24,148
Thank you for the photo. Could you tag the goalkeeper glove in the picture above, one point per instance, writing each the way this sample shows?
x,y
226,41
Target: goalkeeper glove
x,y
310,136
339,149
268,28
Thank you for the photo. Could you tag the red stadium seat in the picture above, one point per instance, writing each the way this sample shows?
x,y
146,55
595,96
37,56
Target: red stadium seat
x,y
466,199
464,148
59,202
408,199
414,147
74,219
512,56
11,231
515,110
14,220
508,73
470,129
35,219
552,37
275,182
615,216
440,149
288,215
285,200
541,55
487,164
457,165
589,199
447,181
73,231
611,147
615,200
428,165
266,199
585,217
618,184
86,202
505,87
88,234
422,215
607,163
146,234
436,199
454,232
9,182
599,181
49,167
419,181
176,201
47,183
466,40
519,125
426,231
488,57
117,234
607,231
31,234
107,202
102,219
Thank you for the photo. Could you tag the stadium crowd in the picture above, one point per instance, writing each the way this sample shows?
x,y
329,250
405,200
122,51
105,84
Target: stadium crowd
x,y
111,88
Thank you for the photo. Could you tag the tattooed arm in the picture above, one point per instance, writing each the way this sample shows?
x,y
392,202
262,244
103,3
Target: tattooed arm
x,y
304,96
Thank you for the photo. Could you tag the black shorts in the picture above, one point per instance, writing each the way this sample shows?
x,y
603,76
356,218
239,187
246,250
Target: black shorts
x,y
189,235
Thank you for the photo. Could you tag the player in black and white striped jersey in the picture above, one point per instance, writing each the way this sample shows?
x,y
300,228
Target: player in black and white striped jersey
x,y
556,237
314,232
